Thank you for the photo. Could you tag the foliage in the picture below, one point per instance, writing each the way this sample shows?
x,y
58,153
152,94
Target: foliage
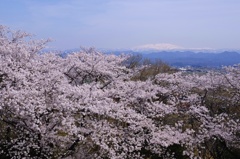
x,y
147,68
87,106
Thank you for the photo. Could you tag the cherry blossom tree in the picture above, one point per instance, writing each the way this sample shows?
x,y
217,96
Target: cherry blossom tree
x,y
87,105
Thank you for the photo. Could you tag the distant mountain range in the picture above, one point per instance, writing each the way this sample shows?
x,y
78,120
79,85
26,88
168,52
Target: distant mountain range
x,y
188,58
179,57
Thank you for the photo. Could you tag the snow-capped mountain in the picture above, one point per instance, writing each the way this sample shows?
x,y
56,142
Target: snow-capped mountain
x,y
171,47
157,47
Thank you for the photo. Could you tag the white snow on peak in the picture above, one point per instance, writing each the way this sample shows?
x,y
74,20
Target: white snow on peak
x,y
161,46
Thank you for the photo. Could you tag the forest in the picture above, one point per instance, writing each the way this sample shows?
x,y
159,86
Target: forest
x,y
90,105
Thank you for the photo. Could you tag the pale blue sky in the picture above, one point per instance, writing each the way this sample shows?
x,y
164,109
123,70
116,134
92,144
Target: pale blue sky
x,y
127,23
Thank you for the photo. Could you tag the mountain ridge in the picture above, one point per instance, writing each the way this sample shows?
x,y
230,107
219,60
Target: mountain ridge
x,y
181,58
189,58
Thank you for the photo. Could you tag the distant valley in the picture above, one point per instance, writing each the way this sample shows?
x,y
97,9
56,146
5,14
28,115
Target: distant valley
x,y
189,58
182,58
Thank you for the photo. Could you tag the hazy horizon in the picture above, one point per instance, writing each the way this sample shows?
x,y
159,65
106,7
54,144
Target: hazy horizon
x,y
115,24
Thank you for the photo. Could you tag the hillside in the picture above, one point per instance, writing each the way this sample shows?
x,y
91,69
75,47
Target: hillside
x,y
189,58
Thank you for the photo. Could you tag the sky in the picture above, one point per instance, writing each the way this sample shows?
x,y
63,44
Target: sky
x,y
116,24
